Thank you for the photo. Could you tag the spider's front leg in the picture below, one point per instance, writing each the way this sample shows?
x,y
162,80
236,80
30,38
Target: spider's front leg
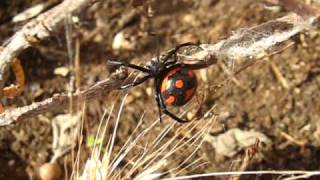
x,y
158,97
173,51
197,66
125,64
136,82
139,68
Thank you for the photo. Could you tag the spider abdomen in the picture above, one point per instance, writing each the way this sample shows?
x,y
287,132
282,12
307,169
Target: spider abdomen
x,y
178,86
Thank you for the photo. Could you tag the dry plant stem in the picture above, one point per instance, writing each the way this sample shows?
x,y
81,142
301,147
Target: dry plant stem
x,y
36,30
60,101
15,90
279,75
257,42
293,140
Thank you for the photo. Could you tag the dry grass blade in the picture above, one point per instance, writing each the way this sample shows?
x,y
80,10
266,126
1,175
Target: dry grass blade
x,y
151,159
304,174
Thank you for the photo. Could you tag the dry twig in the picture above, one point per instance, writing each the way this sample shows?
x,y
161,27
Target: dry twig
x,y
60,101
36,30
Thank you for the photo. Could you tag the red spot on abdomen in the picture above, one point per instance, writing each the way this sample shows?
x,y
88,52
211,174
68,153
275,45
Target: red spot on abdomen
x,y
190,74
189,94
179,83
170,100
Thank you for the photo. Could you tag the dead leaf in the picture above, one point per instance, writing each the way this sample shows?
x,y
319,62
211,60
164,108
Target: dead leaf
x,y
235,140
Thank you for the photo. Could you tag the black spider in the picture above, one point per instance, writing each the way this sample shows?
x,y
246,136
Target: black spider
x,y
174,83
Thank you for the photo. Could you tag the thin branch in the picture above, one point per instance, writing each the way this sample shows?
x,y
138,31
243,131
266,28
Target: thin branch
x,y
257,42
60,101
261,40
36,30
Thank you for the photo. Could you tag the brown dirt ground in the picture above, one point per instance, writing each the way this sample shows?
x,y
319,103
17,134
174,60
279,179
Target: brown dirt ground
x,y
258,102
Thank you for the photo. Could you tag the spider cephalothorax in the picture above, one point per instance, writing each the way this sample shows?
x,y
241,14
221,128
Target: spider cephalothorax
x,y
174,83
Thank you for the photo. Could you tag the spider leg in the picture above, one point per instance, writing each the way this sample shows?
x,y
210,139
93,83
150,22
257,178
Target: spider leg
x,y
158,97
174,117
159,106
119,63
136,82
174,50
196,66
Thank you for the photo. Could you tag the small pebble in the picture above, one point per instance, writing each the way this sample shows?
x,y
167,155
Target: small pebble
x,y
50,171
62,71
121,41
